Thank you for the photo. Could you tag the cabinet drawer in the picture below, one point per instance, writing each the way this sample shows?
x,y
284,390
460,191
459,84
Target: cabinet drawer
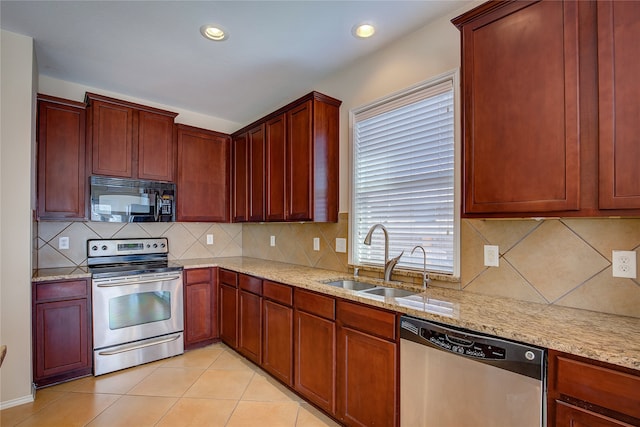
x,y
366,319
250,284
599,385
313,303
278,292
61,290
228,278
198,275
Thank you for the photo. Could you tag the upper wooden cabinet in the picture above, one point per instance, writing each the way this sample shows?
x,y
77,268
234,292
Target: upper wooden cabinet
x,y
545,130
619,103
61,159
248,175
203,175
129,140
300,160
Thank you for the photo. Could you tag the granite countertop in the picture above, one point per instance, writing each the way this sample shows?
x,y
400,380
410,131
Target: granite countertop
x,y
599,336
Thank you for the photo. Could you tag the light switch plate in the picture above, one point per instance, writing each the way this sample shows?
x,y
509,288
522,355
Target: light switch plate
x,y
491,256
272,241
316,243
63,243
341,245
209,239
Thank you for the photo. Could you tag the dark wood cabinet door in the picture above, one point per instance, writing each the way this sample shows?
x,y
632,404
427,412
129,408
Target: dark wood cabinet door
x,y
250,326
61,159
275,188
62,342
112,139
568,415
156,148
200,307
314,359
520,107
241,178
256,173
300,163
366,379
203,175
229,315
619,99
277,341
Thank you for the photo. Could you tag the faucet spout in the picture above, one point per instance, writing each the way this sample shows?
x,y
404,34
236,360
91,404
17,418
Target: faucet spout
x,y
389,264
425,276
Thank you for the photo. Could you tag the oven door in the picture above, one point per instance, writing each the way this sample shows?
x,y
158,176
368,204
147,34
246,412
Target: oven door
x,y
133,308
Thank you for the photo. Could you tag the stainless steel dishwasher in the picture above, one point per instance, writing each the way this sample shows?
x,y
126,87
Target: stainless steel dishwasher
x,y
451,377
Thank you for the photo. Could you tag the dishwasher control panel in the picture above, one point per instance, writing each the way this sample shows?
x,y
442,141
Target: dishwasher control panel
x,y
463,346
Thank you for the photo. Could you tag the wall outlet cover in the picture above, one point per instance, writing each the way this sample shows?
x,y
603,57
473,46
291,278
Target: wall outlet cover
x,y
63,243
624,264
491,256
272,241
316,243
209,239
341,245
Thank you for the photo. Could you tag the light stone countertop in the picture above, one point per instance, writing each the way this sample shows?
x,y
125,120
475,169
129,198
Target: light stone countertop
x,y
599,336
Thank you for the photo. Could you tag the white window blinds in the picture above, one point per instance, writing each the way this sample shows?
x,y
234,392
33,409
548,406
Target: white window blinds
x,y
403,178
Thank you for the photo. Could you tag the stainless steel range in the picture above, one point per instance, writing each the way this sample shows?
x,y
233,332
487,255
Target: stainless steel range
x,y
137,303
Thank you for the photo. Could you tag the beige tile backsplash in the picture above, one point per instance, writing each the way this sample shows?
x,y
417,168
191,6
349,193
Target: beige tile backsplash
x,y
565,262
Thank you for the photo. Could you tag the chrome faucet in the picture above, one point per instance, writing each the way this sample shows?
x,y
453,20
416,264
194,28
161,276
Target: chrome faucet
x,y
389,264
425,275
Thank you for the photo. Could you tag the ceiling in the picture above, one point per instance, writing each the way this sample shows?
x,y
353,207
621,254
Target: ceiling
x,y
276,50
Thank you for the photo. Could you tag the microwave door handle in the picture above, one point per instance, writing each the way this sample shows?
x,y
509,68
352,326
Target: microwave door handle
x,y
158,206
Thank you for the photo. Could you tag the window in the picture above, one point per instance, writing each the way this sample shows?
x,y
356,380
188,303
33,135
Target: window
x,y
404,177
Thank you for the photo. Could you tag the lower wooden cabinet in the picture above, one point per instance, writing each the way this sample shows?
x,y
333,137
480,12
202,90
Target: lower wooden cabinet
x,y
228,307
277,331
315,349
250,318
200,307
61,331
587,393
367,366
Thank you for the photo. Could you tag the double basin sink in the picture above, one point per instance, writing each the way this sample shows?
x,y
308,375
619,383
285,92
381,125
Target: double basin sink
x,y
402,297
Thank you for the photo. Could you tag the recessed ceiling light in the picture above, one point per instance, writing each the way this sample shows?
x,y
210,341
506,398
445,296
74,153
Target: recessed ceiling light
x,y
363,31
213,32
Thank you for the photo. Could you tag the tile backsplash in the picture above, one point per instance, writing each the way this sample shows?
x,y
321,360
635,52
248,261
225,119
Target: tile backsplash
x,y
565,262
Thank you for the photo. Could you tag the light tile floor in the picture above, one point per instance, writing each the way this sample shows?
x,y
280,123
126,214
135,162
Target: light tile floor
x,y
212,386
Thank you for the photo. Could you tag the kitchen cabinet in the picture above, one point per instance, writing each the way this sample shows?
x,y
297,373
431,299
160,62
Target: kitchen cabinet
x,y
248,175
367,366
315,348
590,393
228,307
618,25
61,159
61,331
203,175
277,327
250,318
130,140
301,160
276,159
200,307
547,127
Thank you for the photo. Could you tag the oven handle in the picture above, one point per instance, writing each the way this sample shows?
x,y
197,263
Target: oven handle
x,y
157,279
138,346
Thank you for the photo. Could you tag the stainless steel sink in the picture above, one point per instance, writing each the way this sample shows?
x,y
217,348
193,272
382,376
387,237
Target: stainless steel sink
x,y
389,292
351,284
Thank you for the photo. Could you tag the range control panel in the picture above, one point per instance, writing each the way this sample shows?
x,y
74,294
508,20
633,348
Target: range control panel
x,y
115,247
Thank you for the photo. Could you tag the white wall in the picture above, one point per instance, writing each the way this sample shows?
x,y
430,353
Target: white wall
x,y
17,92
428,52
75,92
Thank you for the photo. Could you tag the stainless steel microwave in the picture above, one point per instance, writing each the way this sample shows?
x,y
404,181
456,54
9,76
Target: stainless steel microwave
x,y
131,200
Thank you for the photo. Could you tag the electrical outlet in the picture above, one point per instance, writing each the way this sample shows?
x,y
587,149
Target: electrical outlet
x,y
63,243
272,240
316,243
341,245
624,264
491,256
209,239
